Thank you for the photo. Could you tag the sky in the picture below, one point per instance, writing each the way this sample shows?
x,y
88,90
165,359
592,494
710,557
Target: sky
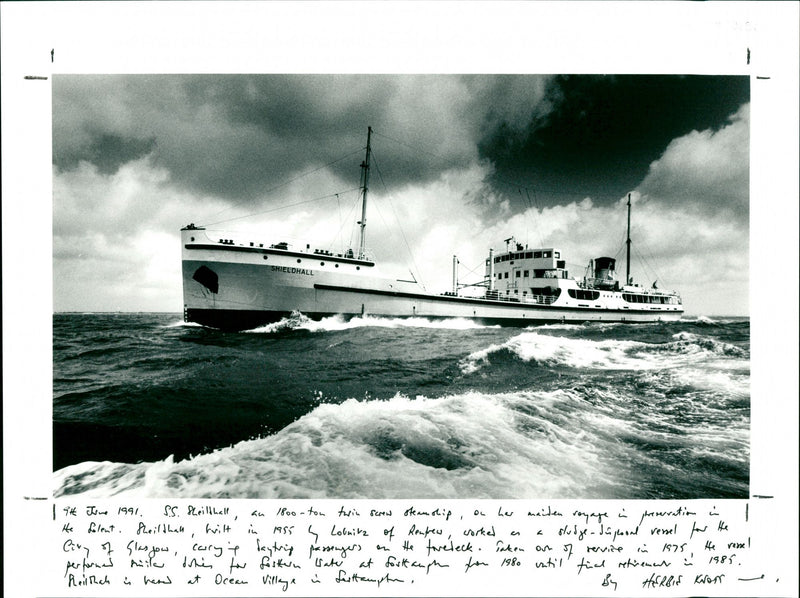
x,y
460,163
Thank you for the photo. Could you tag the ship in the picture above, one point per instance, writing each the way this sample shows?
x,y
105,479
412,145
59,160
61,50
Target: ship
x,y
236,284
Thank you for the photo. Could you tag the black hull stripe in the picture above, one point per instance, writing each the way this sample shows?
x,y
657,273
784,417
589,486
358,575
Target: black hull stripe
x,y
490,302
270,251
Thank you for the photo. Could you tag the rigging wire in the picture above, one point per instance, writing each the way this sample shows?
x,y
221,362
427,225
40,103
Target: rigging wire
x,y
278,186
342,224
535,219
528,207
539,189
473,272
291,205
416,149
649,270
652,271
391,204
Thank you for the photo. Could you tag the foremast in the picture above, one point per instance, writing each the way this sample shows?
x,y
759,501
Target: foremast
x,y
364,189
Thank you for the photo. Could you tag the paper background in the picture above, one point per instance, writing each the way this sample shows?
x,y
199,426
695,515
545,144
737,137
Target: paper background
x,y
387,37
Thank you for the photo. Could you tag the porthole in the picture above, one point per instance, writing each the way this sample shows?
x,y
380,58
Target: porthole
x,y
265,257
191,239
337,265
322,263
299,260
358,267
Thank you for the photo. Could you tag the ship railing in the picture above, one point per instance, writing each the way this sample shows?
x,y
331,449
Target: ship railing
x,y
651,291
294,246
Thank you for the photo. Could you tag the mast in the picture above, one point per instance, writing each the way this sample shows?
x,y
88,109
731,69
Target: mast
x,y
455,275
491,269
364,189
628,243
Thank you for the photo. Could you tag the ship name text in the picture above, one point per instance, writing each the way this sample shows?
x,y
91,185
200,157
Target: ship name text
x,y
288,270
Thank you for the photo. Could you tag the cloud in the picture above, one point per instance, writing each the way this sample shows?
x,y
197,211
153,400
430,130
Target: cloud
x,y
235,136
706,171
181,149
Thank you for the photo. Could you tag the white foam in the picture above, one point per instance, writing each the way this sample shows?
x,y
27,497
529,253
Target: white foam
x,y
470,445
609,354
556,350
299,321
182,324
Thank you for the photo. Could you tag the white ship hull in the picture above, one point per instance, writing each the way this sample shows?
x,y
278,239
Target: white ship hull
x,y
239,286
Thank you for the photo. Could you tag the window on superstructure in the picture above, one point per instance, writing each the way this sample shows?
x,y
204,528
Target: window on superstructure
x,y
519,273
557,254
528,255
583,294
537,254
505,275
526,273
547,254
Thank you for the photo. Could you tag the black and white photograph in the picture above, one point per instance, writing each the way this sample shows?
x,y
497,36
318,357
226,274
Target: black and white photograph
x,y
423,286
400,298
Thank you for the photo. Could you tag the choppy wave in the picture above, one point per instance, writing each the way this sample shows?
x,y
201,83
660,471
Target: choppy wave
x,y
611,354
689,343
555,444
471,444
396,408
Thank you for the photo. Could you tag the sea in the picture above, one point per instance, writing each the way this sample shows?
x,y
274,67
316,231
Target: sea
x,y
145,405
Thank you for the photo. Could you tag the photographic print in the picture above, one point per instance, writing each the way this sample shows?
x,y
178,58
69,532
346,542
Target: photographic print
x,y
401,286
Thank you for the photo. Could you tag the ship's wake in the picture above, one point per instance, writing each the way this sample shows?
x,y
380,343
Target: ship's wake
x,y
299,321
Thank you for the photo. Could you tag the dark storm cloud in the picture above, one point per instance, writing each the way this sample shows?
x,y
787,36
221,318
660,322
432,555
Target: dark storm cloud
x,y
609,125
235,136
108,152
